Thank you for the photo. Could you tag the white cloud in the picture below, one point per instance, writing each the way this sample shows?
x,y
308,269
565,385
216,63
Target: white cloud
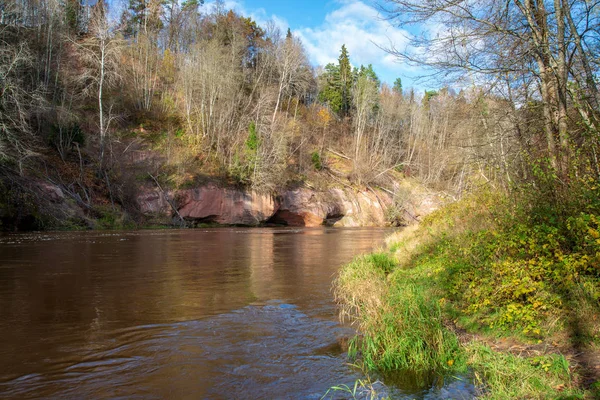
x,y
262,18
260,15
353,23
363,31
209,6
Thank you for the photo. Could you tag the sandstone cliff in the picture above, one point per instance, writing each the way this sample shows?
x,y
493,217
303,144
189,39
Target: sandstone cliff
x,y
294,207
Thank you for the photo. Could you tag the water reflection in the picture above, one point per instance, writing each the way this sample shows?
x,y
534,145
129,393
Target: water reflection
x,y
185,314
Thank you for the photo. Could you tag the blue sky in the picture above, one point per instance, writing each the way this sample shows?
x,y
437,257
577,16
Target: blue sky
x,y
323,26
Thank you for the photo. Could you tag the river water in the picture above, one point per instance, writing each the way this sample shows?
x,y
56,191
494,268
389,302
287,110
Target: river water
x,y
216,313
228,313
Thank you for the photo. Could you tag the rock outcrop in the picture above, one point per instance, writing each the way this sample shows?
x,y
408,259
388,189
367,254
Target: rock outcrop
x,y
295,207
298,207
225,206
338,207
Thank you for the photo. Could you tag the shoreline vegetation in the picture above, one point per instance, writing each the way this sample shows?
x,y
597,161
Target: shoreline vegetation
x,y
496,287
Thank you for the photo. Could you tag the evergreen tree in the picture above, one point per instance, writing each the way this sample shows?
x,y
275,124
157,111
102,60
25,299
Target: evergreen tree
x,y
369,73
331,88
346,80
73,11
428,95
366,86
398,86
143,16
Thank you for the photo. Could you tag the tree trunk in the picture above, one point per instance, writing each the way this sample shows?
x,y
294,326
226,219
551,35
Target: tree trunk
x,y
561,84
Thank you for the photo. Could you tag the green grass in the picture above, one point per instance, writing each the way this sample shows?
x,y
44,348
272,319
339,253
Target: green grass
x,y
399,316
490,265
508,376
362,389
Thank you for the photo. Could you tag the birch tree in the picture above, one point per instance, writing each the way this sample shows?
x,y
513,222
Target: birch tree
x,y
293,70
487,41
364,96
100,52
17,97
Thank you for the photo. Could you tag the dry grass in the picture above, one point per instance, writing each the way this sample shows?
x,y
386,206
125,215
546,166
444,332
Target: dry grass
x,y
399,319
360,292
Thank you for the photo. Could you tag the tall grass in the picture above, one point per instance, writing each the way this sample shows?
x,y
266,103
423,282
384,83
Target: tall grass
x,y
399,318
496,267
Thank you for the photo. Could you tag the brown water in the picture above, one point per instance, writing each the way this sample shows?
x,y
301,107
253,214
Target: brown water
x,y
219,313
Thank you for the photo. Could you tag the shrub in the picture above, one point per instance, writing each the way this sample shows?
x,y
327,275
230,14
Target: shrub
x,y
316,160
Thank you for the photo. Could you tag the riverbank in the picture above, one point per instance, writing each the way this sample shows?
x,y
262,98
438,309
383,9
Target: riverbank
x,y
40,203
486,288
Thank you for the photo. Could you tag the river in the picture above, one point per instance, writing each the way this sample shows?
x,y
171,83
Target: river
x,y
215,313
224,313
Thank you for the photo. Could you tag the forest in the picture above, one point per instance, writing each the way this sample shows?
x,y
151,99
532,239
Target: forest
x,y
212,95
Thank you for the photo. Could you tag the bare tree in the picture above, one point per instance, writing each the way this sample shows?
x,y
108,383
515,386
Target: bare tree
x,y
17,97
142,71
487,41
293,70
364,97
100,51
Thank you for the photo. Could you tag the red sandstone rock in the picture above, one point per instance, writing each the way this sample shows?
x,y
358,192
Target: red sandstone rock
x,y
338,207
225,206
298,207
362,208
152,201
301,207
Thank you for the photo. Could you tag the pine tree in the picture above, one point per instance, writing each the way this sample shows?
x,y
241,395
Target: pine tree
x,y
73,10
398,86
345,81
369,72
331,88
143,16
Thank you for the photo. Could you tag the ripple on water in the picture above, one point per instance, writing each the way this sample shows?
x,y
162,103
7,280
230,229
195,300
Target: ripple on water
x,y
179,314
281,352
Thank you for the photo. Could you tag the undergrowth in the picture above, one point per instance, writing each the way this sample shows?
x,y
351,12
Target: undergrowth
x,y
521,266
398,316
507,376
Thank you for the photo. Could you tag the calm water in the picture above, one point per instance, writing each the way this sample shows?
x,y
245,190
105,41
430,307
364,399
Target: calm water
x,y
220,313
190,314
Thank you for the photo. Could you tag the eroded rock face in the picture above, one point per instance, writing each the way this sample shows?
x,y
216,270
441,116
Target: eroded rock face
x,y
337,207
301,207
363,208
225,206
297,207
152,202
